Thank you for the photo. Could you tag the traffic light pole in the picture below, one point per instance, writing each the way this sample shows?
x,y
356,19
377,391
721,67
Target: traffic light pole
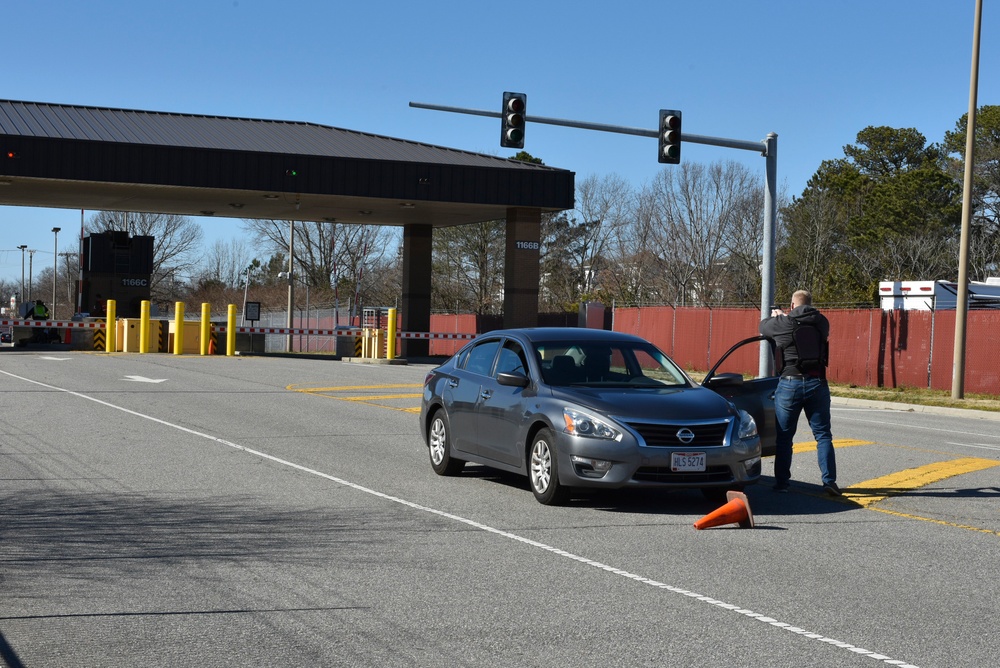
x,y
768,148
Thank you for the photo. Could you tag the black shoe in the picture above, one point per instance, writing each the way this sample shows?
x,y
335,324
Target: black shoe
x,y
831,489
781,487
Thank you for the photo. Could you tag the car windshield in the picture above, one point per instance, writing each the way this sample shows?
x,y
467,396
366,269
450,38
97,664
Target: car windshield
x,y
603,364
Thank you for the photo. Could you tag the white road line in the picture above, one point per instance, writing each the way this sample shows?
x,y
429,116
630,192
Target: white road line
x,y
498,532
914,426
981,446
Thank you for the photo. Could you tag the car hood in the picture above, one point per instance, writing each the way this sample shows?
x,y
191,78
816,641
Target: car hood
x,y
690,403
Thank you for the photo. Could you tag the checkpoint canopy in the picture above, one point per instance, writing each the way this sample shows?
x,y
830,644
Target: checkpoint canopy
x,y
82,157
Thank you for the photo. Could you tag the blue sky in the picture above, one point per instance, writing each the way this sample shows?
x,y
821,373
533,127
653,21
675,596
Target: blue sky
x,y
813,72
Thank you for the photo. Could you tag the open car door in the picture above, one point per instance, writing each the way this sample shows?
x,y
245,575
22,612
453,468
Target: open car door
x,y
755,396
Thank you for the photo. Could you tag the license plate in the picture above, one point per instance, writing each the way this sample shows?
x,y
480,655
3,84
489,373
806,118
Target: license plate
x,y
687,461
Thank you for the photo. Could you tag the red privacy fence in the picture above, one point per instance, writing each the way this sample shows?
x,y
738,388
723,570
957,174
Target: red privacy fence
x,y
868,347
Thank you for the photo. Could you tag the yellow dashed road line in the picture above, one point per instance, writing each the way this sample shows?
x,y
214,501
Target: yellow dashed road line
x,y
872,491
810,446
869,493
358,394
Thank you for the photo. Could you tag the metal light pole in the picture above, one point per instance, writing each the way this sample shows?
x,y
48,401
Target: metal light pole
x,y
22,247
31,272
55,267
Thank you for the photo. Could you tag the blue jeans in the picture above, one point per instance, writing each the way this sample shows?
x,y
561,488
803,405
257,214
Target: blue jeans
x,y
792,397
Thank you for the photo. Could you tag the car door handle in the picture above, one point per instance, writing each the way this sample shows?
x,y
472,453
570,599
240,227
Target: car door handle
x,y
453,382
486,394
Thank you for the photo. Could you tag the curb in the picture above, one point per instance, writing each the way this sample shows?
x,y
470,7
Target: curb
x,y
914,408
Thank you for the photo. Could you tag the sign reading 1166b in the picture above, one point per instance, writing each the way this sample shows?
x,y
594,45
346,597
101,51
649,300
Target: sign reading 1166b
x,y
526,245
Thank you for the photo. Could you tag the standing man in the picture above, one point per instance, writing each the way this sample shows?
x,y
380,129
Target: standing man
x,y
801,336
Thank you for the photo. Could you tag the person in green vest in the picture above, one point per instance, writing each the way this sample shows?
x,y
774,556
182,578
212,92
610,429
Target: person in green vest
x,y
41,311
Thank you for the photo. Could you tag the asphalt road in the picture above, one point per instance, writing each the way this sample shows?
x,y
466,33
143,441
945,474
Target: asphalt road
x,y
188,511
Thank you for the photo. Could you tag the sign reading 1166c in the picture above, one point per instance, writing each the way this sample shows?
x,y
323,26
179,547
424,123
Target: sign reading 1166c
x,y
526,245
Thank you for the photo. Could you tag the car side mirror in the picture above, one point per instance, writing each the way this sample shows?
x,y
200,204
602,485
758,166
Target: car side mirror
x,y
513,379
724,380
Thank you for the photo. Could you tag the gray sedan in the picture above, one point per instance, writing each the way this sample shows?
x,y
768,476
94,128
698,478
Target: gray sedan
x,y
583,408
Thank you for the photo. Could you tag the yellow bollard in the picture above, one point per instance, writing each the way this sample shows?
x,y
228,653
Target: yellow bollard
x,y
178,328
206,327
144,326
111,327
231,331
390,336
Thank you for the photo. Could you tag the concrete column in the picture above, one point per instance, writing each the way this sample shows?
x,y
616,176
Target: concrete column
x,y
521,272
416,304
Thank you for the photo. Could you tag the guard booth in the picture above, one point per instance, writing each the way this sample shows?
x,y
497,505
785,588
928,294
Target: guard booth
x,y
375,322
119,267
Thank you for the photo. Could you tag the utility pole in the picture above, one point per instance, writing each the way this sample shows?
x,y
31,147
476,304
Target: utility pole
x,y
291,281
55,267
962,305
767,147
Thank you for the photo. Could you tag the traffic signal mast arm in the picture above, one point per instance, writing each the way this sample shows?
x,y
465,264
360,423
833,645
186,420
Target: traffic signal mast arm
x,y
767,147
760,147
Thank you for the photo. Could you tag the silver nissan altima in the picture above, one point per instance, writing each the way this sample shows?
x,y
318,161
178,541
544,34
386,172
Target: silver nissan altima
x,y
576,408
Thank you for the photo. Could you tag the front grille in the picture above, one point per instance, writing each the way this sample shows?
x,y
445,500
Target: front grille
x,y
706,435
663,474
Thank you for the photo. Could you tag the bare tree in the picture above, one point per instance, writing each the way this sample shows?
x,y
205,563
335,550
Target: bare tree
x,y
697,207
468,267
226,262
330,254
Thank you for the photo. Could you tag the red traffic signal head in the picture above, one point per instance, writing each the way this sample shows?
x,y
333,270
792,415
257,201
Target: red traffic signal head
x,y
669,137
513,120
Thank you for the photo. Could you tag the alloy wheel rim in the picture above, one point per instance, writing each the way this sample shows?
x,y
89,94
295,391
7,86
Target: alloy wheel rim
x,y
437,441
541,466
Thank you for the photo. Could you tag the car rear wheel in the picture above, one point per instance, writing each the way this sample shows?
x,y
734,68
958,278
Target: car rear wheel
x,y
439,442
543,471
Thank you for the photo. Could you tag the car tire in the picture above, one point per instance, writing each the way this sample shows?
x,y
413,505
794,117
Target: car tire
x,y
439,446
543,470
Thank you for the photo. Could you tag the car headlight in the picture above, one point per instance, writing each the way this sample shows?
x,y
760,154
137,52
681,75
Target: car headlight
x,y
748,427
582,424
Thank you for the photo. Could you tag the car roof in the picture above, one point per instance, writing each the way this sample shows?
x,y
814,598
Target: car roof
x,y
574,334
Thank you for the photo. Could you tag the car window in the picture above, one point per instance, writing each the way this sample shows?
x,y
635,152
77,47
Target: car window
x,y
607,363
461,357
480,359
512,359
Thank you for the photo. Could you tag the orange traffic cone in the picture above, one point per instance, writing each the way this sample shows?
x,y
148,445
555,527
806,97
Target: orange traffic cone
x,y
211,346
736,511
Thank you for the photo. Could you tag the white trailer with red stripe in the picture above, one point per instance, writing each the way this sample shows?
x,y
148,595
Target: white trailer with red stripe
x,y
936,295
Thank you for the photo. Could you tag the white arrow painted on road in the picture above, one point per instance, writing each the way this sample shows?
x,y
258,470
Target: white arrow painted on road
x,y
143,379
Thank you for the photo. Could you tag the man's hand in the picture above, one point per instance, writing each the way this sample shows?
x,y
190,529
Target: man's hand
x,y
776,312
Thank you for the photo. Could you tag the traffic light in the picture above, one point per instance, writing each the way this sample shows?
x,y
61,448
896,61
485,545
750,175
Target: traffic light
x,y
512,125
669,136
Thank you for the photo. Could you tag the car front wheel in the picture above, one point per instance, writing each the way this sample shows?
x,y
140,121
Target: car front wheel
x,y
439,442
543,471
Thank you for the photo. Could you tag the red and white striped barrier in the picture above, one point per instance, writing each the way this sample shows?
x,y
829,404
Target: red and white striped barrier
x,y
59,324
222,329
434,335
